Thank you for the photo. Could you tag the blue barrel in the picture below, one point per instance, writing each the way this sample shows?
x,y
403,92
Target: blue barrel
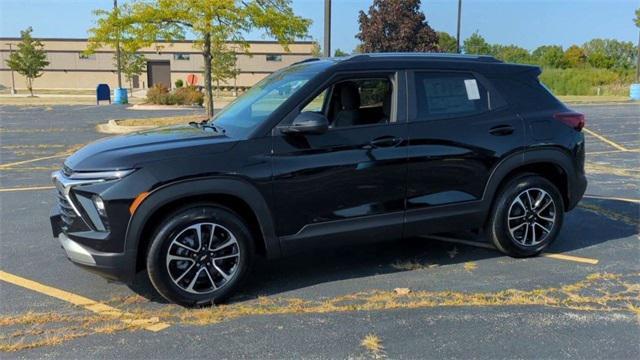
x,y
120,96
634,92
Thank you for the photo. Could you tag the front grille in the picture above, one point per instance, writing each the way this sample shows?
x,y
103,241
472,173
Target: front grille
x,y
67,213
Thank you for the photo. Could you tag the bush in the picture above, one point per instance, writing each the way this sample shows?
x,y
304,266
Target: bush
x,y
190,95
156,93
179,83
586,81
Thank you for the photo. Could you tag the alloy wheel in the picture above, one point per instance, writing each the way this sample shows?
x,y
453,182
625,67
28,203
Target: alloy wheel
x,y
203,258
531,217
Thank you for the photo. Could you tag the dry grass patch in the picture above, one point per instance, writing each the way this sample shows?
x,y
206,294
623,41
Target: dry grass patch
x,y
601,292
373,344
162,121
470,266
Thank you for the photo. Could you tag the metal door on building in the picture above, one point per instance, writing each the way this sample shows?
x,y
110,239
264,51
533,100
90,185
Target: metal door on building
x,y
159,72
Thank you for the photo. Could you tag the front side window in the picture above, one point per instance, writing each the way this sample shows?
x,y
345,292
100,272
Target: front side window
x,y
449,95
254,106
354,102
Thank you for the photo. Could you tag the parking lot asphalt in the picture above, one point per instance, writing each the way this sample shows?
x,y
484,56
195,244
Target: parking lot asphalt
x,y
581,299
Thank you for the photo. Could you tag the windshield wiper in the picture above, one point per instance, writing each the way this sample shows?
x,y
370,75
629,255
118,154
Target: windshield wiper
x,y
205,124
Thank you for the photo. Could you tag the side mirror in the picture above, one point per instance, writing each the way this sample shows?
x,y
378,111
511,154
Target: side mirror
x,y
307,122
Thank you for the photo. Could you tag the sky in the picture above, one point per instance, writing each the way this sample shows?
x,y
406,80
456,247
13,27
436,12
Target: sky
x,y
526,23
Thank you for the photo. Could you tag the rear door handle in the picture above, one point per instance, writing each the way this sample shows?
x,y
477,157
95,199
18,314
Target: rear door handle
x,y
385,141
501,130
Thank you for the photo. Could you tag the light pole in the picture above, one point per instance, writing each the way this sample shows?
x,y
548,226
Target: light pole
x,y
458,32
327,28
13,80
115,8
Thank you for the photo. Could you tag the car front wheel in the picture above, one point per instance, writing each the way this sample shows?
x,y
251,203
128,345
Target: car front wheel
x,y
526,216
199,255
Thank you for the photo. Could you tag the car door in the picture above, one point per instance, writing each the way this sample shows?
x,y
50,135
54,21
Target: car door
x,y
349,183
459,129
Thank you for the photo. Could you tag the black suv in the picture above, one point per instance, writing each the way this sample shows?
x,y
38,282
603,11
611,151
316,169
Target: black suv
x,y
333,151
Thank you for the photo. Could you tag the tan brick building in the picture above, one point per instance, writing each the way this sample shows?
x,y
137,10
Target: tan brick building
x,y
166,62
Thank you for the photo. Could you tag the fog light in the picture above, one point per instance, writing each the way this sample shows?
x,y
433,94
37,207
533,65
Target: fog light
x,y
97,200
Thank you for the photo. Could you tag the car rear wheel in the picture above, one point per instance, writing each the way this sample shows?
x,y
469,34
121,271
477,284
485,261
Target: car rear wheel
x,y
200,255
526,217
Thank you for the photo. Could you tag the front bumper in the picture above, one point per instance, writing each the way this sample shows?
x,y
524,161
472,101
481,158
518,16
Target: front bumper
x,y
113,266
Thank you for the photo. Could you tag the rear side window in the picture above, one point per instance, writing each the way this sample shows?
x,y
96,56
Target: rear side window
x,y
441,95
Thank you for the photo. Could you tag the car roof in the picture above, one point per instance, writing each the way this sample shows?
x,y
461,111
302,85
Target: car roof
x,y
419,60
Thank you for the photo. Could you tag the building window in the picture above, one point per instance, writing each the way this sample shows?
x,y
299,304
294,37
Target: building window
x,y
181,57
274,57
83,56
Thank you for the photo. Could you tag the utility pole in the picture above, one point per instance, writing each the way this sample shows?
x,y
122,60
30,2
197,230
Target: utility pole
x,y
637,59
458,32
13,80
327,28
115,8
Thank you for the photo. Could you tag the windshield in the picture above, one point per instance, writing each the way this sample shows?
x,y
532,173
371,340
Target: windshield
x,y
255,106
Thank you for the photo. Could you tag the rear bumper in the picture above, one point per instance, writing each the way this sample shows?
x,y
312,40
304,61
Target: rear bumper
x,y
577,191
112,266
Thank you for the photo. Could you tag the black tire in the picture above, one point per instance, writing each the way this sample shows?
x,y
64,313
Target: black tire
x,y
498,225
185,221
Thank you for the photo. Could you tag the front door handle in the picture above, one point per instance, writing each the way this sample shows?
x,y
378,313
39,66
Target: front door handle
x,y
501,130
385,141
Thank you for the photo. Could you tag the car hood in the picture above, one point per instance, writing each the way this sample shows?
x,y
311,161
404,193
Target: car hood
x,y
131,150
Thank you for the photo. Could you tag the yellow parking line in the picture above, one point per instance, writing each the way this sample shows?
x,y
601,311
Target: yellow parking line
x,y
571,258
605,140
489,246
4,166
88,304
612,152
32,188
635,201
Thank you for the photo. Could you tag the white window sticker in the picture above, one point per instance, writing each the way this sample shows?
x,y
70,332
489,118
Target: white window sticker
x,y
472,89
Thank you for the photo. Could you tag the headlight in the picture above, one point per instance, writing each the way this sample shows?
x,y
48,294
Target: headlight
x,y
94,208
97,200
100,175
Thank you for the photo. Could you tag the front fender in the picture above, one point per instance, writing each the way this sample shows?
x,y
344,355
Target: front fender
x,y
235,187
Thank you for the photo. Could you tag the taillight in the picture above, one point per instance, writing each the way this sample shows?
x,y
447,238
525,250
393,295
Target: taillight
x,y
571,118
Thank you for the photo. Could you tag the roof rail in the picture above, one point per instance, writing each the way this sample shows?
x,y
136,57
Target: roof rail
x,y
444,56
306,61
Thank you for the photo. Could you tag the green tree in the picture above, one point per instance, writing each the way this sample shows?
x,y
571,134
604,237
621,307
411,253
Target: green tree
x,y
476,44
223,64
610,53
29,59
339,53
213,23
549,56
574,56
637,22
511,54
446,42
132,64
316,50
396,25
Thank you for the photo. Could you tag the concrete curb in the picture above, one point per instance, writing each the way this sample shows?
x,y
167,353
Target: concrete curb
x,y
112,127
163,107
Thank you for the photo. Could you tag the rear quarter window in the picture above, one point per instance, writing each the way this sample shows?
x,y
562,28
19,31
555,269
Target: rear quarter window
x,y
442,95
